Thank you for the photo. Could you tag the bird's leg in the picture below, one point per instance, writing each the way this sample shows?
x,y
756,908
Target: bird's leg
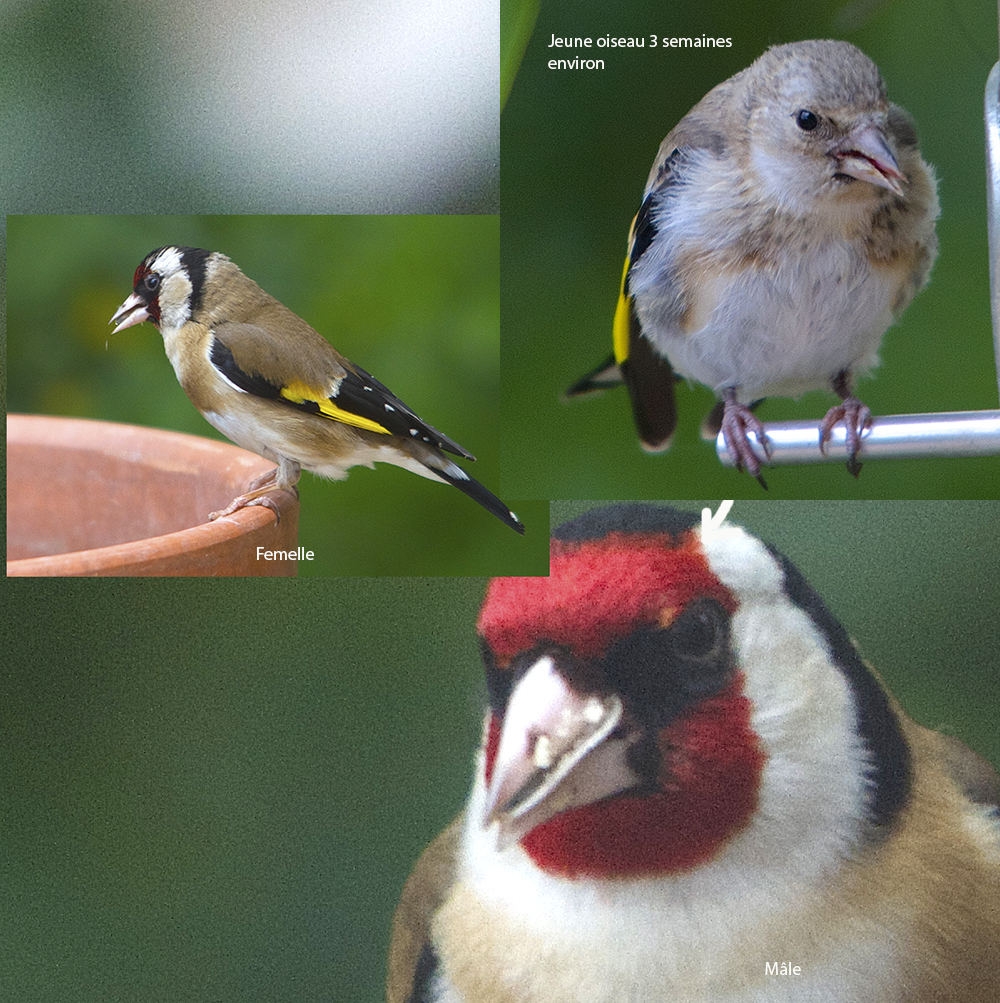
x,y
855,415
711,424
737,420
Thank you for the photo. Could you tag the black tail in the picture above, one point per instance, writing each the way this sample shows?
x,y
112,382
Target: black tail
x,y
453,474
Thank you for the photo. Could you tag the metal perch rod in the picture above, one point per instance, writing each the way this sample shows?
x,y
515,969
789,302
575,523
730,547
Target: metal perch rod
x,y
959,433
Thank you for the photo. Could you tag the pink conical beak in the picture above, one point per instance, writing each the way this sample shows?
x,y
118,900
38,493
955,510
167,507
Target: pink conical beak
x,y
865,155
559,749
132,311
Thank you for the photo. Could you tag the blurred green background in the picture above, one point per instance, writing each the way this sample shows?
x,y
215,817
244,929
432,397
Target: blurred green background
x,y
216,794
577,146
412,299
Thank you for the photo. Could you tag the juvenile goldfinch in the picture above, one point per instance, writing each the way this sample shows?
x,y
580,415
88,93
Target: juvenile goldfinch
x,y
691,788
264,378
788,220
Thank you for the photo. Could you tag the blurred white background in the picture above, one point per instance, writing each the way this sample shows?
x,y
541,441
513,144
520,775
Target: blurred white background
x,y
249,106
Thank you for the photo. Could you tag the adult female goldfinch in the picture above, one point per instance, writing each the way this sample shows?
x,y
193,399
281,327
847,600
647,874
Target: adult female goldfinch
x,y
692,789
264,378
787,221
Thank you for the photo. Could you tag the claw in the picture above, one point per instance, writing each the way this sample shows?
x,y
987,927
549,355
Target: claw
x,y
857,419
737,421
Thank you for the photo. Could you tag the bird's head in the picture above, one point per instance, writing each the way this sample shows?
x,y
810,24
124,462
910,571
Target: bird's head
x,y
167,288
819,122
671,688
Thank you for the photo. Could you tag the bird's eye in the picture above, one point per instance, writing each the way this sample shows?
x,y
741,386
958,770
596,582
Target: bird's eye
x,y
660,671
806,120
699,632
152,282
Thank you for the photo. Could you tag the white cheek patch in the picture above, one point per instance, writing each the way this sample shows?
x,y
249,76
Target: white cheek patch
x,y
814,796
175,300
175,289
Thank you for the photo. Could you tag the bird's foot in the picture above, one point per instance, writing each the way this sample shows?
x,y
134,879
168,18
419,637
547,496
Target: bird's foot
x,y
244,502
737,421
257,495
857,419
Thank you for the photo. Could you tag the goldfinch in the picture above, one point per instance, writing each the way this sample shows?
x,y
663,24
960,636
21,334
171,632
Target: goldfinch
x,y
787,221
265,379
691,788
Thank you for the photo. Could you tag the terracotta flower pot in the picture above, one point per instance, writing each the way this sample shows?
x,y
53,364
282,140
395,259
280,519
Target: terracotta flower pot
x,y
96,498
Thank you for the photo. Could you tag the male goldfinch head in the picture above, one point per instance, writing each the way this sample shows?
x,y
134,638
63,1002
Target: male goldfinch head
x,y
689,774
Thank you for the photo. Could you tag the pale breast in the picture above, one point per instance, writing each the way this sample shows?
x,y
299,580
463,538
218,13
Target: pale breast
x,y
776,328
